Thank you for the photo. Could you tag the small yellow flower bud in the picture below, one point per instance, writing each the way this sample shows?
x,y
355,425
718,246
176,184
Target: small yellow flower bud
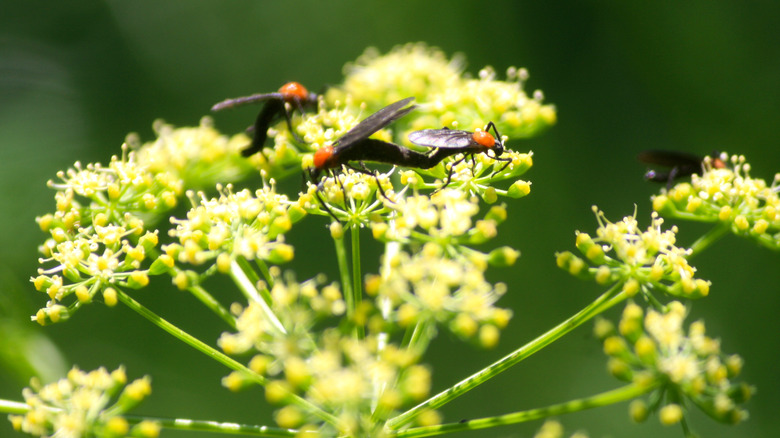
x,y
725,213
693,204
138,279
519,189
181,281
760,226
670,414
147,429
614,345
223,262
288,416
488,336
490,196
429,417
296,372
117,426
336,230
259,364
82,294
277,391
638,410
741,222
234,381
603,275
631,287
110,296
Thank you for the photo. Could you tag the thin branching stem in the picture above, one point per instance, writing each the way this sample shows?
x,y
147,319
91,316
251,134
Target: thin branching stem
x,y
216,355
618,395
602,303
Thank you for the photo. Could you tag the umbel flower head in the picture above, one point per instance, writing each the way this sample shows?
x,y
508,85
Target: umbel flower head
x,y
654,349
428,288
98,236
199,156
330,368
642,261
241,224
445,94
85,404
728,195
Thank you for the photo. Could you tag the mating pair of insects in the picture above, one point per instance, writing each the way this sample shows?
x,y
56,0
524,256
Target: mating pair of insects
x,y
356,146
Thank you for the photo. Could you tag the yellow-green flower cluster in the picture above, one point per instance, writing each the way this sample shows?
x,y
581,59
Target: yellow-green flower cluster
x,y
445,95
85,404
199,156
366,196
639,260
241,224
729,195
98,236
446,217
653,348
427,288
477,174
331,369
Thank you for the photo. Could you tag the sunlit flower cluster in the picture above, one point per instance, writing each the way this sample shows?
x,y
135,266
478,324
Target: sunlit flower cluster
x,y
354,197
445,95
427,288
640,260
477,175
85,404
98,236
729,195
409,70
240,224
199,156
654,349
331,368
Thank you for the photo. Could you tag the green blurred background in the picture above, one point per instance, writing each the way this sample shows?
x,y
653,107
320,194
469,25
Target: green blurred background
x,y
76,77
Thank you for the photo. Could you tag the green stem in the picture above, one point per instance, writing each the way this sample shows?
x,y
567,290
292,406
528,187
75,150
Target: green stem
x,y
240,266
602,303
346,285
216,426
13,407
266,273
209,301
618,395
249,290
709,238
215,354
357,273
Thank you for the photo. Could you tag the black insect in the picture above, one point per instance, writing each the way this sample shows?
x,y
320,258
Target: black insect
x,y
291,96
679,165
451,142
356,146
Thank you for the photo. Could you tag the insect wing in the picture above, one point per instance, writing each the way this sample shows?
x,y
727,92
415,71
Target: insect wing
x,y
237,101
669,158
442,138
374,123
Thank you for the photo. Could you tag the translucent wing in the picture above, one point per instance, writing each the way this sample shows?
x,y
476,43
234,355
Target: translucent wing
x,y
442,138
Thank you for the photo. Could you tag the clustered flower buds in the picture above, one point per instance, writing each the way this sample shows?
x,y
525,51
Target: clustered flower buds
x,y
652,349
729,195
86,404
641,261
